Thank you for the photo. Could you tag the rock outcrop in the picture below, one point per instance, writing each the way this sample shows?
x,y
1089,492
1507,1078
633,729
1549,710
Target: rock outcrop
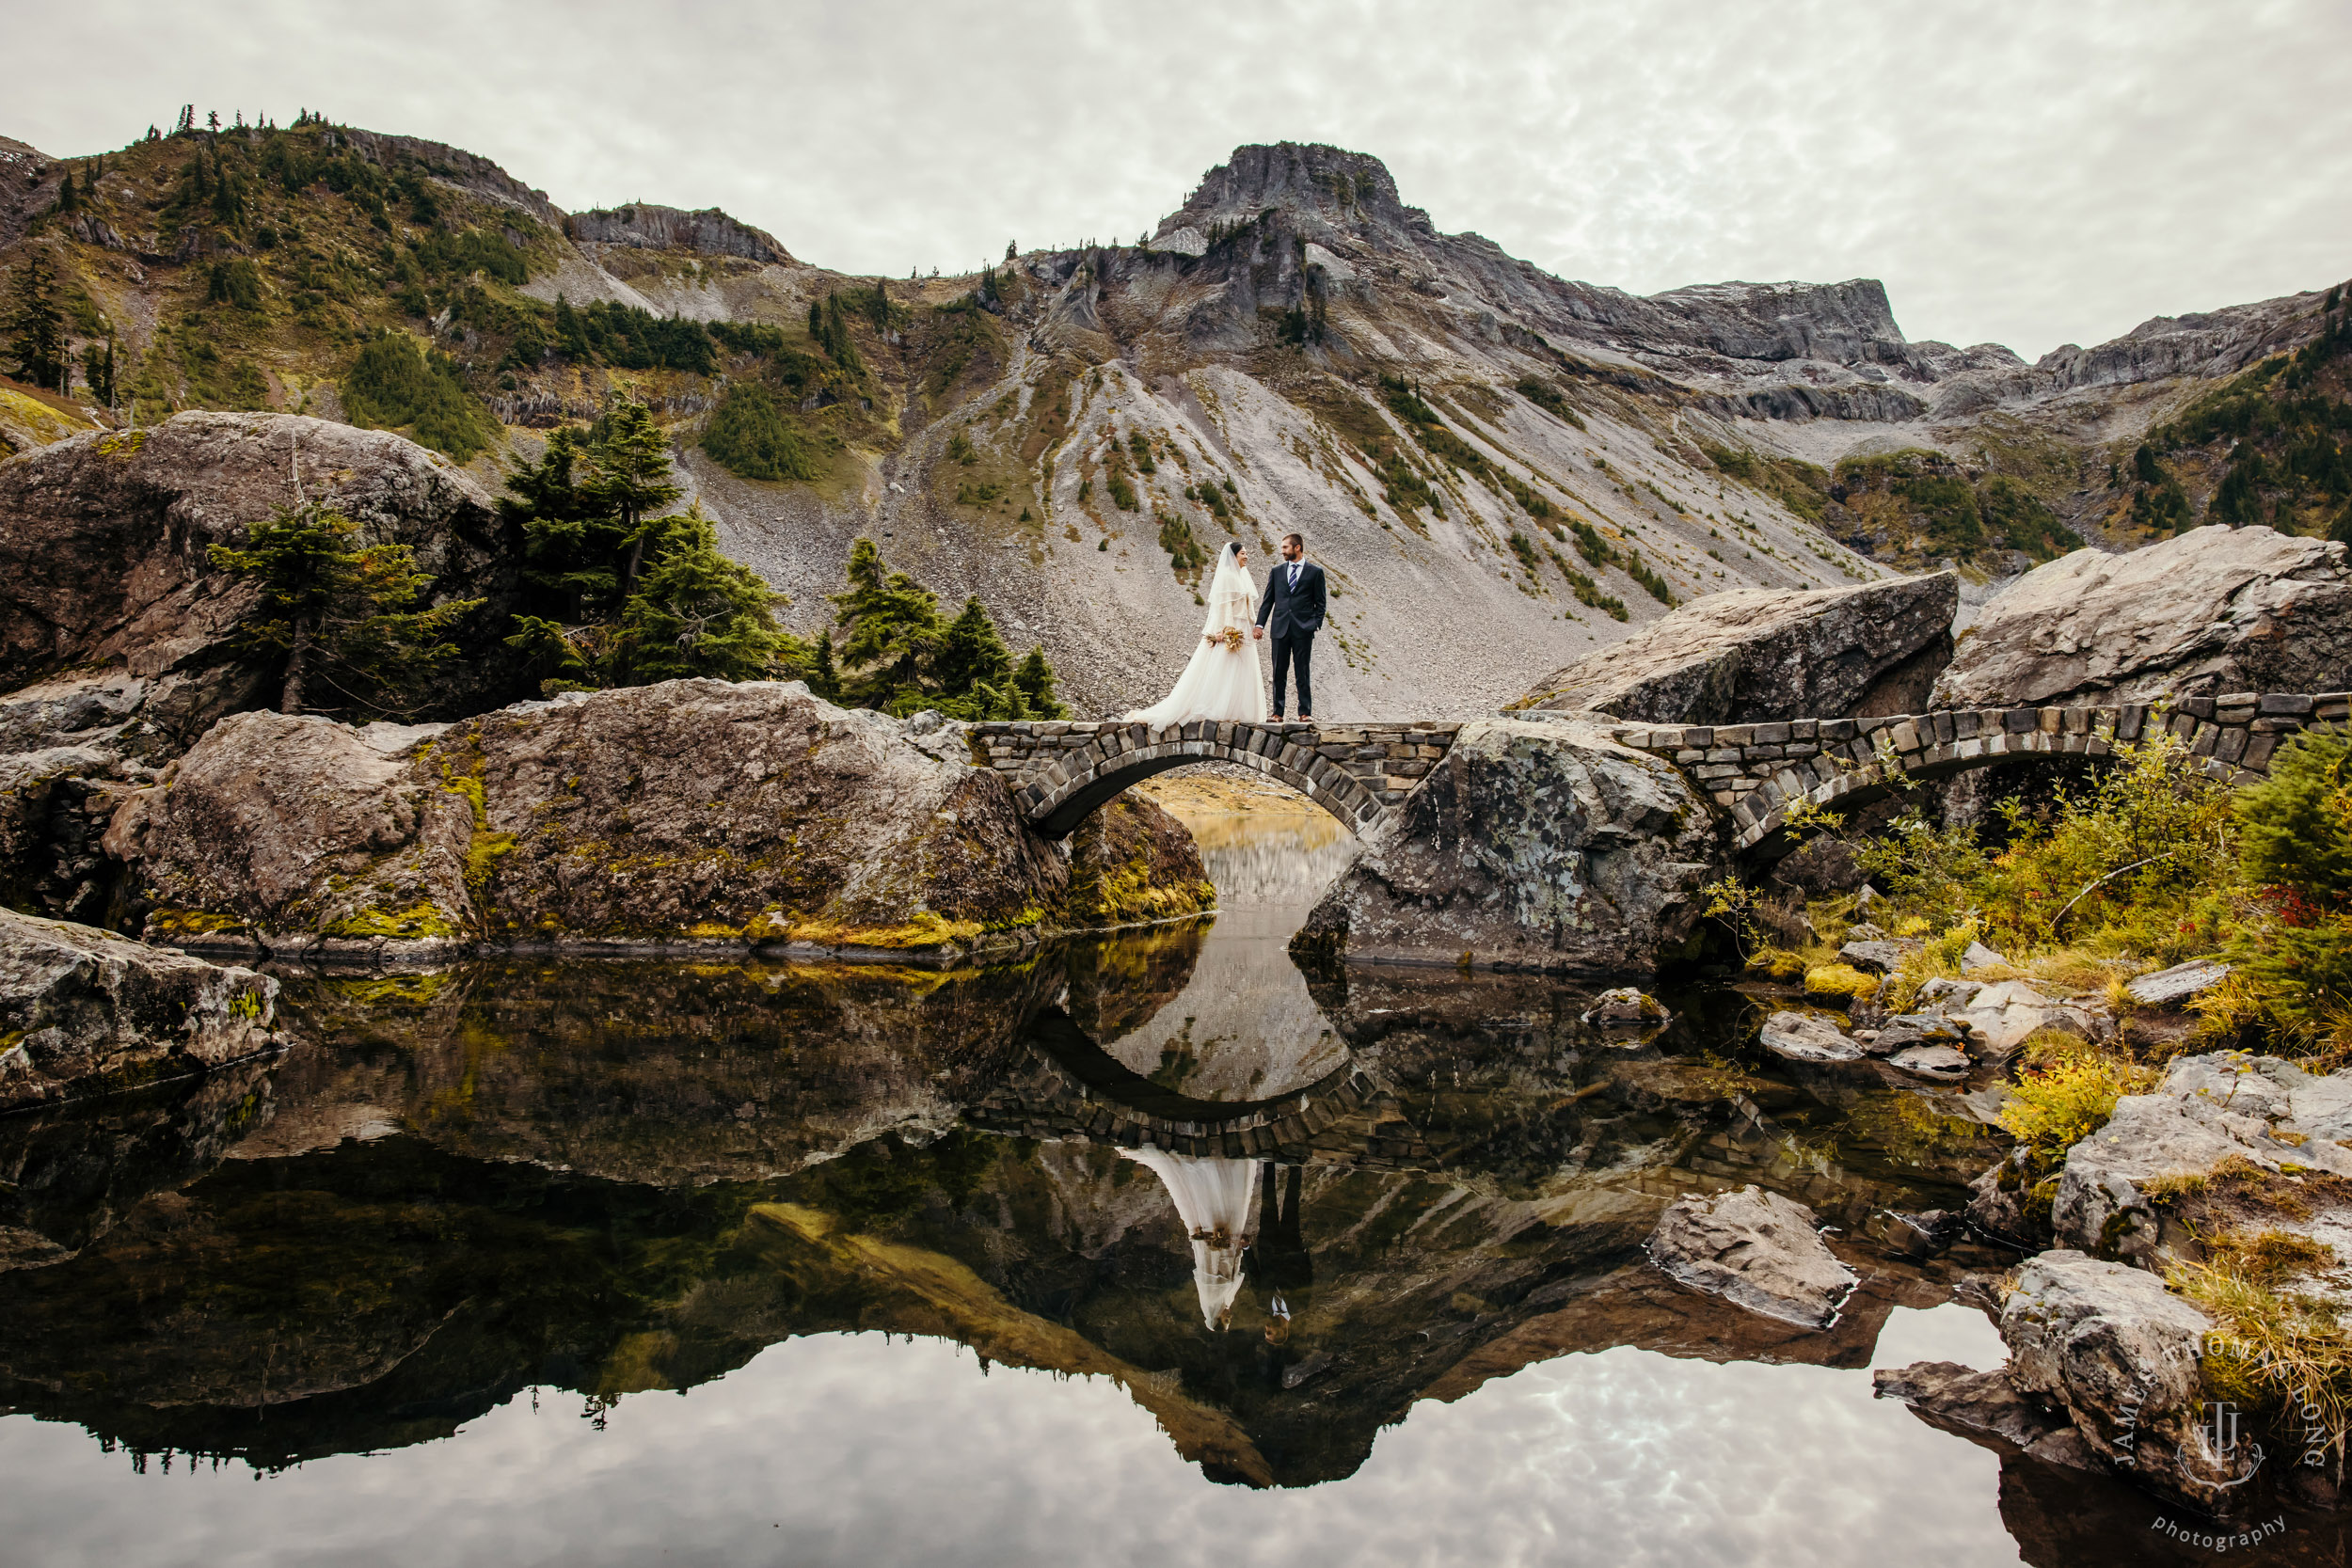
x,y
707,232
1754,657
1756,1249
84,1010
2215,610
1542,845
1132,861
752,815
103,544
2258,1112
2122,1355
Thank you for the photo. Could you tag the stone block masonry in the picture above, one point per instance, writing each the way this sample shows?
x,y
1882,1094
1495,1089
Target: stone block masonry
x,y
1061,771
1758,774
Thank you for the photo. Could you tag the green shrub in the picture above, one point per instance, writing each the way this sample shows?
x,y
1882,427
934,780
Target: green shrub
x,y
2053,1108
398,384
750,434
2296,857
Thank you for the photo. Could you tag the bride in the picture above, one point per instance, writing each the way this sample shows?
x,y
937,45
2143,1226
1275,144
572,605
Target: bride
x,y
1221,682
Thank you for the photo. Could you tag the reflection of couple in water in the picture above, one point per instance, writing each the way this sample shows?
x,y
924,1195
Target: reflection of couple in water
x,y
1219,1203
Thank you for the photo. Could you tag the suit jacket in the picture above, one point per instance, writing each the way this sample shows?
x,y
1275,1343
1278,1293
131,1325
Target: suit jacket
x,y
1296,612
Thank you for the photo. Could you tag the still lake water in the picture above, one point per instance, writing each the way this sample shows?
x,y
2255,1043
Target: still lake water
x,y
630,1263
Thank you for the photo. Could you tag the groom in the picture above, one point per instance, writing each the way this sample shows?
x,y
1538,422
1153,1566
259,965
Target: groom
x,y
1293,597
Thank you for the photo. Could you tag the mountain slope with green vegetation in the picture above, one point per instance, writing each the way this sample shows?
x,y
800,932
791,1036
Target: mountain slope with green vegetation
x,y
1501,470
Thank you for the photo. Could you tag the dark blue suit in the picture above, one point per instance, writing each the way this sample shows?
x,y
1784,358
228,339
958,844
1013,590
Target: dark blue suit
x,y
1296,611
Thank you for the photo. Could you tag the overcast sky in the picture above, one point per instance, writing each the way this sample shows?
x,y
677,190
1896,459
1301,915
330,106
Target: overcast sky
x,y
2028,174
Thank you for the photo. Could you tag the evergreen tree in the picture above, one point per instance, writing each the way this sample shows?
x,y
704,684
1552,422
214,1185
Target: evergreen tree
x,y
227,197
98,368
895,629
699,614
972,658
828,324
339,614
823,678
67,198
573,544
881,307
36,328
571,338
628,475
1036,680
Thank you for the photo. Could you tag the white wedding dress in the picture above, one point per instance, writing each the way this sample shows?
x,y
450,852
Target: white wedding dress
x,y
1216,1200
1221,681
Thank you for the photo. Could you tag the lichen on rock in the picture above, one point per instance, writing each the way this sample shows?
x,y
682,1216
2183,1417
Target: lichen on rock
x,y
698,811
1536,844
83,1010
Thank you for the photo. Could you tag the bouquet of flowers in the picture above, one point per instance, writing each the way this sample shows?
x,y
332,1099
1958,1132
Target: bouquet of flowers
x,y
1230,637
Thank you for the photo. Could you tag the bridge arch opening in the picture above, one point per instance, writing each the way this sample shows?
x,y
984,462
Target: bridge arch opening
x,y
1062,772
1352,809
2038,760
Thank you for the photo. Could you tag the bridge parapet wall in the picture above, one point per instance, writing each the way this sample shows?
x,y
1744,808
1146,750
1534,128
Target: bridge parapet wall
x,y
1757,772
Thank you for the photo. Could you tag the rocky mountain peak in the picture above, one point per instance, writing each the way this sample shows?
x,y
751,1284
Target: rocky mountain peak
x,y
1345,190
707,232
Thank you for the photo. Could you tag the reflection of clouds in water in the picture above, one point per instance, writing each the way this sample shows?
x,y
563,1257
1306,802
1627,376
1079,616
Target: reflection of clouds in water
x,y
845,1449
1244,1026
1217,1200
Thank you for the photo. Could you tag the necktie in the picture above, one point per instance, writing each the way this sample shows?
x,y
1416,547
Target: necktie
x,y
1293,573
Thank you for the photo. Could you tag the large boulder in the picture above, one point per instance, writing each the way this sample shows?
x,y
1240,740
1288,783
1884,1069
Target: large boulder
x,y
83,1010
2215,610
1756,1249
2122,1356
699,811
1758,655
105,541
1536,844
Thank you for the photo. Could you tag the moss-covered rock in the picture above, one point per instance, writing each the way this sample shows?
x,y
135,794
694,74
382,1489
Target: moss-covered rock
x,y
1130,863
694,812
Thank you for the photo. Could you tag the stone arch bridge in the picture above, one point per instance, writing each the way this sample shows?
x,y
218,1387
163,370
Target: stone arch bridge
x,y
1758,774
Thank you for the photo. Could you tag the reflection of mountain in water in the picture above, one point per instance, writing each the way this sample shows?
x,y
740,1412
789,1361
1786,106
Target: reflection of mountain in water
x,y
613,1178
621,1177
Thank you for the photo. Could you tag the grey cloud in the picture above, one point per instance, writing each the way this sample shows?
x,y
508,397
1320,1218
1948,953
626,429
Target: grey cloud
x,y
2016,172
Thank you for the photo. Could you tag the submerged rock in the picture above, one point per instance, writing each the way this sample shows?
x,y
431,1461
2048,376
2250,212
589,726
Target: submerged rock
x,y
2215,610
1760,654
1980,1405
1943,1064
84,1010
1756,1249
691,812
1542,845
